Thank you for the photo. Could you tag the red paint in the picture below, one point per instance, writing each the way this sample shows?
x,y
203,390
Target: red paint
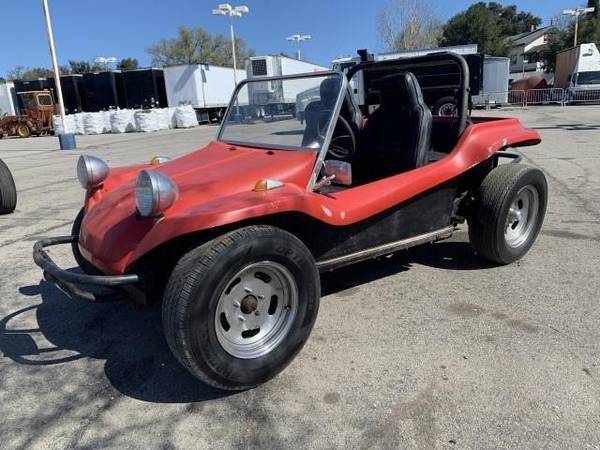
x,y
216,185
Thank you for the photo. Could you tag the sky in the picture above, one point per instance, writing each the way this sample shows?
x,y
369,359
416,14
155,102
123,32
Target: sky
x,y
85,29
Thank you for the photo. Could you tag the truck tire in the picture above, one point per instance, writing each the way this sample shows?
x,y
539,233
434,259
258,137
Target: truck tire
x,y
445,106
8,190
23,130
83,263
238,308
509,211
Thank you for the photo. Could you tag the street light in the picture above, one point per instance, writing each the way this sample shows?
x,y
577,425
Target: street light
x,y
67,140
576,13
298,38
106,61
225,9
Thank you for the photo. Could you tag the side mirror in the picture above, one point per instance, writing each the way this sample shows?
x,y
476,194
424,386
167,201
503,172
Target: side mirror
x,y
340,172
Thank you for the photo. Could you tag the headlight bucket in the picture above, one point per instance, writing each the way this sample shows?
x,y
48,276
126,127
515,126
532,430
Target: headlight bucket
x,y
154,193
91,171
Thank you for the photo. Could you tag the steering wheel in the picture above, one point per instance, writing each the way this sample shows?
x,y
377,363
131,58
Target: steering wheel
x,y
343,144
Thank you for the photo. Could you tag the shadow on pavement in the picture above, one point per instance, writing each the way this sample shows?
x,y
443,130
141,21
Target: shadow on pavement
x,y
138,362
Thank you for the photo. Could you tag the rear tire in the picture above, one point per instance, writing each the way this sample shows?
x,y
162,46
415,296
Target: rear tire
x,y
238,308
8,190
509,212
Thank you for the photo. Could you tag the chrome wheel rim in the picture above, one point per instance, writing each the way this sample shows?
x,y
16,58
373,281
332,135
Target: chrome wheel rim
x,y
521,217
256,310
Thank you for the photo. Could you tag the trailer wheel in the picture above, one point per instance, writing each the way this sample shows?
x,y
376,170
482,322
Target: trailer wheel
x,y
8,190
238,309
509,212
23,130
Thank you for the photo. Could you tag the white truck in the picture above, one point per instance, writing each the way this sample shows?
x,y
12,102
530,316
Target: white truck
x,y
270,97
206,87
8,99
578,73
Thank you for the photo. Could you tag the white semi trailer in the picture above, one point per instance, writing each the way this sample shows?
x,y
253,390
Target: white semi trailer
x,y
273,97
8,99
578,72
206,87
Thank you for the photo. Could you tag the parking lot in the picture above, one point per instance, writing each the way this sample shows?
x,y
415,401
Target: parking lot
x,y
431,348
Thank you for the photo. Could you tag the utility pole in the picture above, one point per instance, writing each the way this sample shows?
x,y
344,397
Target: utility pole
x,y
576,13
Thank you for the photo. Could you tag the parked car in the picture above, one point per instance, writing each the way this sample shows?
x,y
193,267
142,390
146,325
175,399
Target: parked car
x,y
8,191
232,237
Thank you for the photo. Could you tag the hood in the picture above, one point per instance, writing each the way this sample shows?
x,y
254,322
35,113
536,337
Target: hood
x,y
217,171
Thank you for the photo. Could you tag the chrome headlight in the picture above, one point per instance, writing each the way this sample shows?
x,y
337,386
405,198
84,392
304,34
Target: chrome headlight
x,y
91,171
154,193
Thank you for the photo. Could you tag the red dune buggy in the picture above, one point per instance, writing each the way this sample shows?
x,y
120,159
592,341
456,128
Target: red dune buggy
x,y
232,237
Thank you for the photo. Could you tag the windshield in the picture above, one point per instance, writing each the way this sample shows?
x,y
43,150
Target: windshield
x,y
282,113
588,77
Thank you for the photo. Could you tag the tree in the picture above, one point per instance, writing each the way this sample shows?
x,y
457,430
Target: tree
x,y
85,67
197,46
26,73
408,25
128,64
488,24
596,5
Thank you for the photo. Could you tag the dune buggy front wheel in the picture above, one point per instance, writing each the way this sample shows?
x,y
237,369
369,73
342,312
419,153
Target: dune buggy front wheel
x,y
509,212
238,308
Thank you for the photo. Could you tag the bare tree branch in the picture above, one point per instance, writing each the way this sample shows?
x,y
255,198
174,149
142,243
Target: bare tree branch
x,y
408,25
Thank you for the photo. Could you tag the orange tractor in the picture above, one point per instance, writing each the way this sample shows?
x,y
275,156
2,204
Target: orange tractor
x,y
35,117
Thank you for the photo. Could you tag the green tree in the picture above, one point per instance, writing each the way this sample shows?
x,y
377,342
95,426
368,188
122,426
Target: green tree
x,y
197,46
128,64
85,67
488,24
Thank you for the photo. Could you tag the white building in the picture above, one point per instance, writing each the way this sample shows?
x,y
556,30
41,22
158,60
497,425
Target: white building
x,y
526,53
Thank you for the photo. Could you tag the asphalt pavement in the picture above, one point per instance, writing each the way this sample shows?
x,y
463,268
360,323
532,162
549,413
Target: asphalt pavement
x,y
430,348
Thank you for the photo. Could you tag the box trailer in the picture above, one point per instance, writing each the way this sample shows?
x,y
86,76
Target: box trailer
x,y
104,91
144,88
270,97
8,99
494,90
206,87
578,72
73,92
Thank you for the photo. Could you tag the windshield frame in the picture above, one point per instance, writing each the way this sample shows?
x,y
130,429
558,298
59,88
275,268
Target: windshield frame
x,y
322,152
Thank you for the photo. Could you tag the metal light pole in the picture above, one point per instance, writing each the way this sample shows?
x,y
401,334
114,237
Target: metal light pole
x,y
106,61
576,13
61,105
298,38
225,9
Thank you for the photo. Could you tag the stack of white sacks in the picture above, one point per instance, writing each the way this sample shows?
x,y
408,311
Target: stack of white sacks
x,y
127,120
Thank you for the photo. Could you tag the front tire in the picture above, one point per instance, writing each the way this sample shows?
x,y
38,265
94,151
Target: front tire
x,y
8,190
239,308
509,212
23,130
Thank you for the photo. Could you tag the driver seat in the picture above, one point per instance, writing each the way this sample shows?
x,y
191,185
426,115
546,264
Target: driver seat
x,y
397,136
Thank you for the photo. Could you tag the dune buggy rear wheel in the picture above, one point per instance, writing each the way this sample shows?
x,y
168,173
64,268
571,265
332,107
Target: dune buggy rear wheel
x,y
509,212
8,190
238,308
